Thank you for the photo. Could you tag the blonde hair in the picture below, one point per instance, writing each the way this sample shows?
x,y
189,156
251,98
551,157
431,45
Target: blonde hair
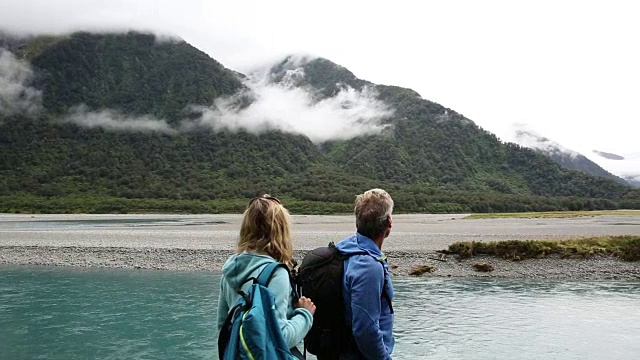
x,y
266,229
372,209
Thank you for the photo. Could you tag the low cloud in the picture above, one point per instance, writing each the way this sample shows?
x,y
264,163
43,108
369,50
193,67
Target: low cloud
x,y
287,107
629,168
113,120
16,96
526,137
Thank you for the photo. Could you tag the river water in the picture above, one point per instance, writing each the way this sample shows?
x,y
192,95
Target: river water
x,y
91,313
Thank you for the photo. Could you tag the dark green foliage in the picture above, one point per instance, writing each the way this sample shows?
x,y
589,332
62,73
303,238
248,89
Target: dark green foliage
x,y
430,158
131,72
326,77
430,144
581,163
625,247
629,249
137,165
98,204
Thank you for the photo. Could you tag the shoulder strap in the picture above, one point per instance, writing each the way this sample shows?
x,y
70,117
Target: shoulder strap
x,y
268,271
385,285
385,293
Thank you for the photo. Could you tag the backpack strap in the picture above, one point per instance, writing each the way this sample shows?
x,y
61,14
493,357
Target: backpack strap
x,y
268,271
264,278
385,291
385,286
225,331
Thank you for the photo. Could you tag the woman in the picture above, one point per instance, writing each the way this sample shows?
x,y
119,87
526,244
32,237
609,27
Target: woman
x,y
265,237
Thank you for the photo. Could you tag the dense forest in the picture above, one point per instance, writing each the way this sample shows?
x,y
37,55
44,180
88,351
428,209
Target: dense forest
x,y
430,158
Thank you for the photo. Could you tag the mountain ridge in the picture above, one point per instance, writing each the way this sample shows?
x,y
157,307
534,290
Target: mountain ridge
x,y
568,159
432,158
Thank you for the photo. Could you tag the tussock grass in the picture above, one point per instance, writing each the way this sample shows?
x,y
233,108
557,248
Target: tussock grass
x,y
624,247
553,214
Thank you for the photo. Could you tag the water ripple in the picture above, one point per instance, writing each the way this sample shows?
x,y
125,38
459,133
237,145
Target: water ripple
x,y
71,313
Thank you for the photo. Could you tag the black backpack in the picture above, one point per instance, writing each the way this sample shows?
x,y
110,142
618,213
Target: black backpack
x,y
320,277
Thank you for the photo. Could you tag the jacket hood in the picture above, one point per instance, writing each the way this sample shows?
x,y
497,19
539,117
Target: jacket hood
x,y
239,267
359,243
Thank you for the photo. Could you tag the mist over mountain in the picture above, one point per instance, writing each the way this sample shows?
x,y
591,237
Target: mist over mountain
x,y
278,98
626,166
17,96
609,156
127,117
624,169
564,157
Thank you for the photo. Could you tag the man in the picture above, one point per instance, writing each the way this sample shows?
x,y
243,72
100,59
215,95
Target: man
x,y
367,289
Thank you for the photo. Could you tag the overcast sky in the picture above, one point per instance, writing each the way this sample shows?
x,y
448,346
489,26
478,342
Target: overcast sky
x,y
569,70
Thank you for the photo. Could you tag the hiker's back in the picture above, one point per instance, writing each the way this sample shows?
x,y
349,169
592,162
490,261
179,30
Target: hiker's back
x,y
324,276
292,323
368,294
320,277
365,290
264,241
251,330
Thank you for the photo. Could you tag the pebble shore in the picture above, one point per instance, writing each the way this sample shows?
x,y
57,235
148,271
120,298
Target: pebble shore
x,y
204,242
401,262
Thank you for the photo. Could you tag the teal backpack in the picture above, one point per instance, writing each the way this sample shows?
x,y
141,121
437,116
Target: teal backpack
x,y
251,330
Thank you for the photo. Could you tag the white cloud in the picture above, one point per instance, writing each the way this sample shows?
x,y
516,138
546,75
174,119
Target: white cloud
x,y
628,168
290,108
16,96
115,121
567,67
524,135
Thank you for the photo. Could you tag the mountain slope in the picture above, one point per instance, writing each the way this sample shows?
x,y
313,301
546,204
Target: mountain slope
x,y
127,116
130,75
132,72
626,165
431,144
566,158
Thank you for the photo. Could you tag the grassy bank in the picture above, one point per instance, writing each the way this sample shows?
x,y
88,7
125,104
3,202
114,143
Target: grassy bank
x,y
624,247
90,204
553,214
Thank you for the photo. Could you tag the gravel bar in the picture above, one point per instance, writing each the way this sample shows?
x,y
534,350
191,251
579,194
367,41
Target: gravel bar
x,y
204,242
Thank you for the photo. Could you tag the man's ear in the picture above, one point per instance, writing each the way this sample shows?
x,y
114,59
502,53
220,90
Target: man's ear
x,y
389,222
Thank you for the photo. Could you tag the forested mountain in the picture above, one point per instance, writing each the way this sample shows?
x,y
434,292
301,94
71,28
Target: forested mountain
x,y
129,122
566,158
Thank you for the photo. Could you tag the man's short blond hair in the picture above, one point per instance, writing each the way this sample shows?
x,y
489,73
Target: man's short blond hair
x,y
372,209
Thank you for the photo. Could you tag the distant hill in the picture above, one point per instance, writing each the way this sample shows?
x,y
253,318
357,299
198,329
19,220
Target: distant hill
x,y
634,183
564,157
130,117
429,143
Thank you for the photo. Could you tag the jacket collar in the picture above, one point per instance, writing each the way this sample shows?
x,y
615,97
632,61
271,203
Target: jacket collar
x,y
369,246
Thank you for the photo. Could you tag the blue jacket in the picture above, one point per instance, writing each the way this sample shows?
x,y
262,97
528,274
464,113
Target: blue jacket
x,y
366,309
294,323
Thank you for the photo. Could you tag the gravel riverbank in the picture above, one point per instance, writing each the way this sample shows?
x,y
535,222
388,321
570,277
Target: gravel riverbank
x,y
401,262
204,242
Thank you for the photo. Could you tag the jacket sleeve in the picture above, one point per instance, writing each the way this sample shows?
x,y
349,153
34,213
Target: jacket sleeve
x,y
223,307
294,323
365,278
